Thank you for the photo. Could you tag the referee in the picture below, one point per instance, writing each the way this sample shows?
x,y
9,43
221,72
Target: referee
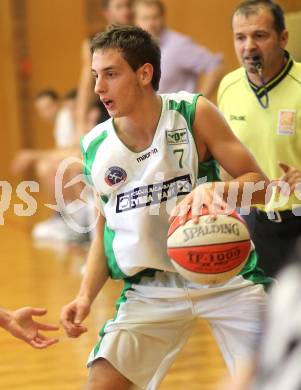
x,y
262,103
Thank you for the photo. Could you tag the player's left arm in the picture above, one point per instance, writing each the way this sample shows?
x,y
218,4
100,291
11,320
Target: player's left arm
x,y
215,139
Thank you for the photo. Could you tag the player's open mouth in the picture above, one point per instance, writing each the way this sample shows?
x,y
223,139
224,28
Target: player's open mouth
x,y
108,103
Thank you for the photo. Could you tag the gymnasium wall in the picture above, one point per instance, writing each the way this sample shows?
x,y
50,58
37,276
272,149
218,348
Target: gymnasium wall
x,y
40,44
209,22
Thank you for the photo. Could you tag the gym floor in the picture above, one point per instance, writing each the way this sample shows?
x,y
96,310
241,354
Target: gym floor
x,y
45,275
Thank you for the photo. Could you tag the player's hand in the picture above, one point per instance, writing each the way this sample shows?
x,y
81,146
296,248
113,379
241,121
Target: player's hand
x,y
73,314
23,161
291,175
22,326
205,195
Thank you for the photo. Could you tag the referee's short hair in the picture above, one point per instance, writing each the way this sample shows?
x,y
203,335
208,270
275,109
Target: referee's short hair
x,y
251,7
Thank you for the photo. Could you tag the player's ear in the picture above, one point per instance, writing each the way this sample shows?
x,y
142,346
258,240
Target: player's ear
x,y
283,38
145,74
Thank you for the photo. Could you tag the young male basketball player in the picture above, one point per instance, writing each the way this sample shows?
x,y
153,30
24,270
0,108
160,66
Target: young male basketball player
x,y
152,151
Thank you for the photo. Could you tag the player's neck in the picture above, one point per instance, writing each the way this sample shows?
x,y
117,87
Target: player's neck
x,y
138,129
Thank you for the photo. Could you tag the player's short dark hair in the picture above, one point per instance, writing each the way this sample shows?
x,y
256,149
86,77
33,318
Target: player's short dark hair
x,y
136,45
251,7
47,93
157,3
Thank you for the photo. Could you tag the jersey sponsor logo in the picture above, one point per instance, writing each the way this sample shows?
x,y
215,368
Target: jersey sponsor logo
x,y
147,155
115,175
177,137
153,193
238,118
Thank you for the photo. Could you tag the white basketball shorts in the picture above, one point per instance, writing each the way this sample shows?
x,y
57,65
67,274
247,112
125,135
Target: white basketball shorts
x,y
155,317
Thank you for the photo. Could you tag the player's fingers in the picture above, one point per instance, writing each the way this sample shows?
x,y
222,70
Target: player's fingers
x,y
67,316
81,314
281,186
67,325
181,210
184,209
198,203
36,344
77,331
46,326
43,338
41,344
284,167
294,178
38,311
216,205
40,341
177,210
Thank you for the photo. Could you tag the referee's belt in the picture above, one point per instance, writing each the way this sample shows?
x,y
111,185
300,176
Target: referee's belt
x,y
278,216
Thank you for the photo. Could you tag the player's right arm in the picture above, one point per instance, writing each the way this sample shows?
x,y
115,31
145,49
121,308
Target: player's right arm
x,y
95,276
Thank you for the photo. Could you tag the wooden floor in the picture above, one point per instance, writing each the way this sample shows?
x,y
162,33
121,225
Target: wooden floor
x,y
49,276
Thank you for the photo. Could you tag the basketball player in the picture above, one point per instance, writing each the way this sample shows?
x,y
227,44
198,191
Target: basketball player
x,y
152,151
21,325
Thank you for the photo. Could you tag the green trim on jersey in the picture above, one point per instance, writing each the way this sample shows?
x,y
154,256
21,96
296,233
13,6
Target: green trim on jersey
x,y
114,270
122,299
255,274
104,198
89,154
210,170
186,109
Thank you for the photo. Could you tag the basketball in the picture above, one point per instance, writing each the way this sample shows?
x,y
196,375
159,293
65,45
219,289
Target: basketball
x,y
211,251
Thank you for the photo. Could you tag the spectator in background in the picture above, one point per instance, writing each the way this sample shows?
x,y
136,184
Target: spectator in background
x,y
44,163
262,103
183,62
117,12
21,325
61,116
96,113
64,130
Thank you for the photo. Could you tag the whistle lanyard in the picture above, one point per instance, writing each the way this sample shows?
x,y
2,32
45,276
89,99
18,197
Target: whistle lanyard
x,y
263,98
262,92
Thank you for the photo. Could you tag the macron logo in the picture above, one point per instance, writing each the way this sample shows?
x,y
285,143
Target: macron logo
x,y
147,155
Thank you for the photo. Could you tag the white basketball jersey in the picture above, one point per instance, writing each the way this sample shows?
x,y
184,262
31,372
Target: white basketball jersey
x,y
139,190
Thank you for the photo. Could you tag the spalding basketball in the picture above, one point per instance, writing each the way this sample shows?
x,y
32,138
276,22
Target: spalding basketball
x,y
211,251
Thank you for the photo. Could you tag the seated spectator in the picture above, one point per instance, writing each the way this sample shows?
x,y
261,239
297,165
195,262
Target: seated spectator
x,y
44,164
183,62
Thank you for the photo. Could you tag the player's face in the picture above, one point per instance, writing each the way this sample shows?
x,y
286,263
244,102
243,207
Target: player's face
x,y
255,35
149,18
47,108
116,84
119,12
